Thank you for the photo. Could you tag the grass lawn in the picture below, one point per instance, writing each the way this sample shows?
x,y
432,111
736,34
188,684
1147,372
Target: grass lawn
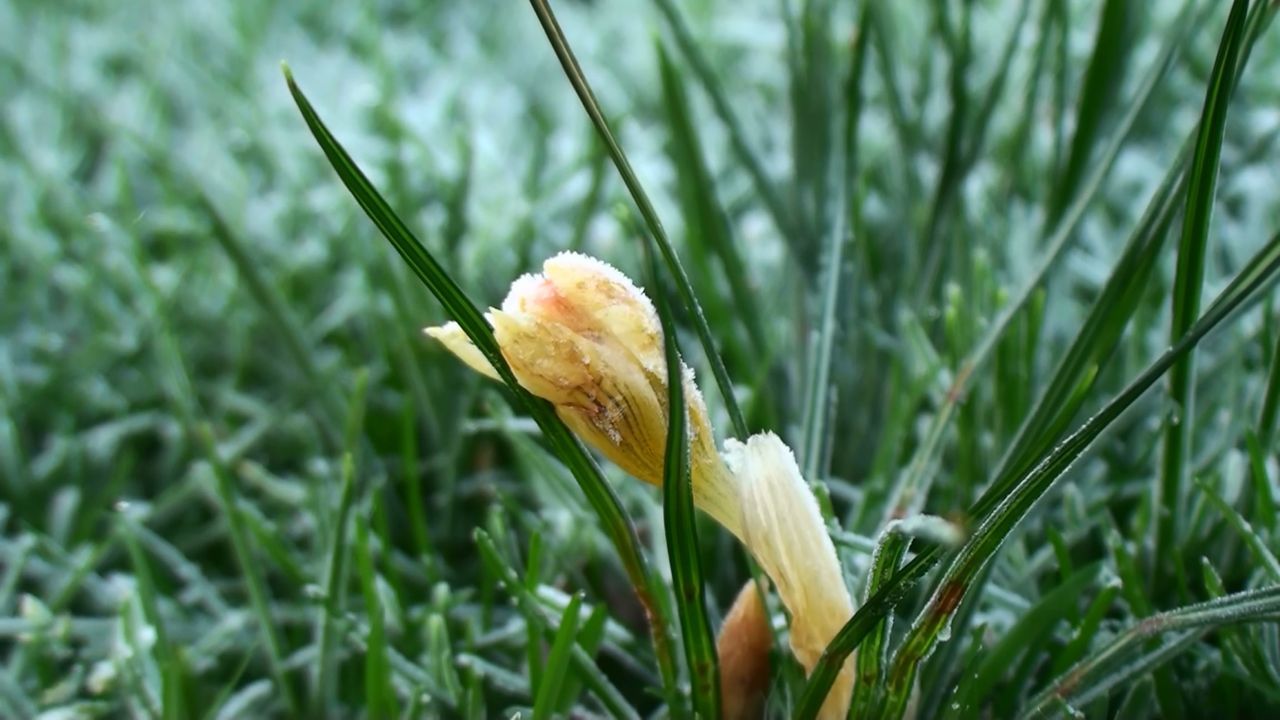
x,y
999,272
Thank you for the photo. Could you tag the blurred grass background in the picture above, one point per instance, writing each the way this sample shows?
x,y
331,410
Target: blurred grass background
x,y
218,414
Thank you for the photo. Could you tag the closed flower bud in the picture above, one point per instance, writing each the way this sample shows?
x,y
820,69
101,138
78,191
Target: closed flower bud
x,y
583,337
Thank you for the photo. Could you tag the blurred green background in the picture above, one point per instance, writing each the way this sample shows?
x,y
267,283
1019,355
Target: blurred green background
x,y
198,324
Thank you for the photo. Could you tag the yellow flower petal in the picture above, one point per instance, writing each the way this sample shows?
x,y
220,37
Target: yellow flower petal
x,y
602,397
784,530
614,304
457,342
582,336
743,649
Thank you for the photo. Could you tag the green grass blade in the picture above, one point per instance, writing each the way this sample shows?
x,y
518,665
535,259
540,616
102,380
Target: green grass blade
x,y
592,677
873,655
1099,334
1103,80
1262,555
1264,501
1025,639
706,214
1096,675
1189,283
679,523
1008,510
242,546
769,194
913,484
601,496
557,664
683,288
172,664
380,695
324,692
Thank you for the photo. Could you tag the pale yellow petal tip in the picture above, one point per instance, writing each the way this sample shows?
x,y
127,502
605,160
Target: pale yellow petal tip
x,y
452,336
525,289
783,528
569,264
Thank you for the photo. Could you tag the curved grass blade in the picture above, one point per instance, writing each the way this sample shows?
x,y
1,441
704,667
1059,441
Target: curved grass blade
x,y
996,528
1025,638
578,80
705,213
601,496
1100,333
1103,79
679,523
769,194
1190,622
591,676
913,485
325,690
380,695
1006,512
874,654
1189,283
173,702
557,666
1262,555
259,595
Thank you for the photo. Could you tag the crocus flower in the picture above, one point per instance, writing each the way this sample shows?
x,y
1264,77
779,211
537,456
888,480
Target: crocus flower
x,y
583,337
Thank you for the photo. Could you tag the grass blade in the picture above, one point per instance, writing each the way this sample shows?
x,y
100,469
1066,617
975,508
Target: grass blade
x,y
679,523
1189,283
379,695
557,665
583,89
258,594
1189,622
913,484
868,690
1102,82
705,214
592,677
1008,510
601,496
778,210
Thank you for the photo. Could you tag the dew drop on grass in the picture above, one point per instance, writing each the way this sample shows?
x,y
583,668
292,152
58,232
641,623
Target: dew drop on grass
x,y
944,634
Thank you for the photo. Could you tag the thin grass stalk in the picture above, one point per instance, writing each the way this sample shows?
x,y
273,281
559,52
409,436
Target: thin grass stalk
x,y
1189,284
1244,607
778,210
599,493
679,522
578,79
1006,511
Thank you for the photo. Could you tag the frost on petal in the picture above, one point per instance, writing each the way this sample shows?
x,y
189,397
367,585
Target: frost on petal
x,y
614,305
600,393
452,337
715,489
783,528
